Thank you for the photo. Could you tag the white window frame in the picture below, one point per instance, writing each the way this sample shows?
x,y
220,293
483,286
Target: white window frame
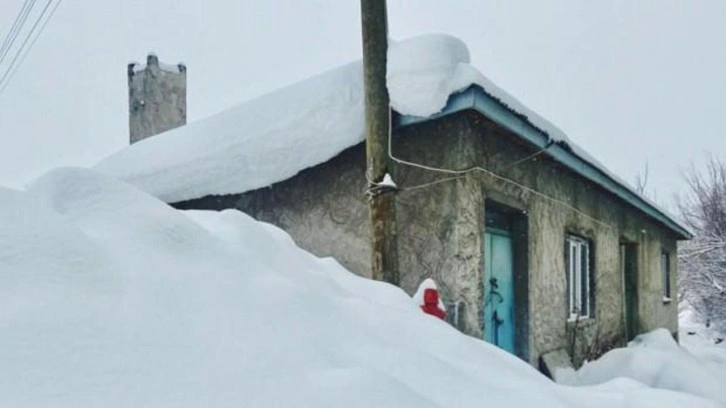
x,y
577,288
665,267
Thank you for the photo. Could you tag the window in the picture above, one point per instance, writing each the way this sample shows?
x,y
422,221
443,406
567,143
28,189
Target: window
x,y
665,267
578,276
455,314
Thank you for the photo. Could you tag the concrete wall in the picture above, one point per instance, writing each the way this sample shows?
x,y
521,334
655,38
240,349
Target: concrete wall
x,y
441,224
558,202
157,98
323,208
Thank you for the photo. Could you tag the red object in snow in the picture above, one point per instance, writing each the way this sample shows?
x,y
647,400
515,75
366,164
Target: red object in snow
x,y
431,304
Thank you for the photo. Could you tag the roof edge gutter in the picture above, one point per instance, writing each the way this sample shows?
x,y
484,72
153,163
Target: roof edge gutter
x,y
476,98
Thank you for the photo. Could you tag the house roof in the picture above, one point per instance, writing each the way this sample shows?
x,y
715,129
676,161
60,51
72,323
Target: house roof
x,y
563,151
272,138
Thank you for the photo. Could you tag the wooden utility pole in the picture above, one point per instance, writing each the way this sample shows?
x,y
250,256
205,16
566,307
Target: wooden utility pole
x,y
384,261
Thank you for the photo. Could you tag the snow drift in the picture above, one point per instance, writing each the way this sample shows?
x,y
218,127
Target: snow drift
x,y
656,360
112,298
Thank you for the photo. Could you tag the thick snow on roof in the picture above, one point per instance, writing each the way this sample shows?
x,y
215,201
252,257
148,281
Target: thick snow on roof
x,y
251,145
272,138
111,298
424,71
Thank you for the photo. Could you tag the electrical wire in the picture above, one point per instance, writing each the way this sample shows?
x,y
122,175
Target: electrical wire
x,y
16,28
463,172
32,43
3,82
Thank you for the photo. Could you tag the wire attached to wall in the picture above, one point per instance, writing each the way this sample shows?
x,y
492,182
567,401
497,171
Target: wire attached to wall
x,y
459,174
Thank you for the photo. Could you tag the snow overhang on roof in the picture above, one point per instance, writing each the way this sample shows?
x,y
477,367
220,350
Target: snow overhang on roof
x,y
562,150
274,137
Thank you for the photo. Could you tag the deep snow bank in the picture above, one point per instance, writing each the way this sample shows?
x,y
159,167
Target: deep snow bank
x,y
656,360
112,298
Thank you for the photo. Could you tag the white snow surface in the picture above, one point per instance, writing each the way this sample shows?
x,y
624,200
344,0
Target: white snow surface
x,y
656,360
272,138
111,298
424,71
138,67
387,181
253,145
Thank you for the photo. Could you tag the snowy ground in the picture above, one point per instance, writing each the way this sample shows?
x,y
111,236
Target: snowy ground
x,y
111,298
697,367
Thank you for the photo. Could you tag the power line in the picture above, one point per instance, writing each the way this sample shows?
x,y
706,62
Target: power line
x,y
25,42
458,174
14,68
16,28
32,43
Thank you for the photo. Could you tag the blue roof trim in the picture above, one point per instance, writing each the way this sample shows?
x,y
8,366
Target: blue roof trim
x,y
476,98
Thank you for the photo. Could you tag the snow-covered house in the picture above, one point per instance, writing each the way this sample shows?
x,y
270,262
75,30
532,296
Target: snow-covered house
x,y
535,246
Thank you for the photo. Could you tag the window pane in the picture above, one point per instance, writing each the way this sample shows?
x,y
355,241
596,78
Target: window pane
x,y
568,262
575,278
665,268
578,276
663,274
584,281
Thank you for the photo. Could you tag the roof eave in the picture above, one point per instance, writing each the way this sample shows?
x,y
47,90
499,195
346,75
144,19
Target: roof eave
x,y
477,99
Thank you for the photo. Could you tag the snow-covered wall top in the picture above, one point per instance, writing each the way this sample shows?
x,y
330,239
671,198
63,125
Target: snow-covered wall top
x,y
272,138
137,67
153,59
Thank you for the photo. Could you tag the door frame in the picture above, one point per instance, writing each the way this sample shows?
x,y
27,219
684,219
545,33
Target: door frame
x,y
518,230
629,271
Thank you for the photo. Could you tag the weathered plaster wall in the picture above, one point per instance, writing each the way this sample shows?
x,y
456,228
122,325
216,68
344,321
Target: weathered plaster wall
x,y
441,230
323,208
570,205
157,99
652,305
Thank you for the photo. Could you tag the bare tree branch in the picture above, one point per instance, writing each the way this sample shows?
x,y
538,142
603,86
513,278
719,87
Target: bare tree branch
x,y
702,261
641,180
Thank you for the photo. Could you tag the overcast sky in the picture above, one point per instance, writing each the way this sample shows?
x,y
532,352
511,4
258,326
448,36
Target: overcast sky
x,y
630,81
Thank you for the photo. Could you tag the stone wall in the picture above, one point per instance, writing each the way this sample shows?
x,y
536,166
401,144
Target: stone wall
x,y
441,224
323,208
558,202
157,98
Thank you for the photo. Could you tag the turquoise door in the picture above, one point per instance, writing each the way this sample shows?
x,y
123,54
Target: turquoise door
x,y
498,289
